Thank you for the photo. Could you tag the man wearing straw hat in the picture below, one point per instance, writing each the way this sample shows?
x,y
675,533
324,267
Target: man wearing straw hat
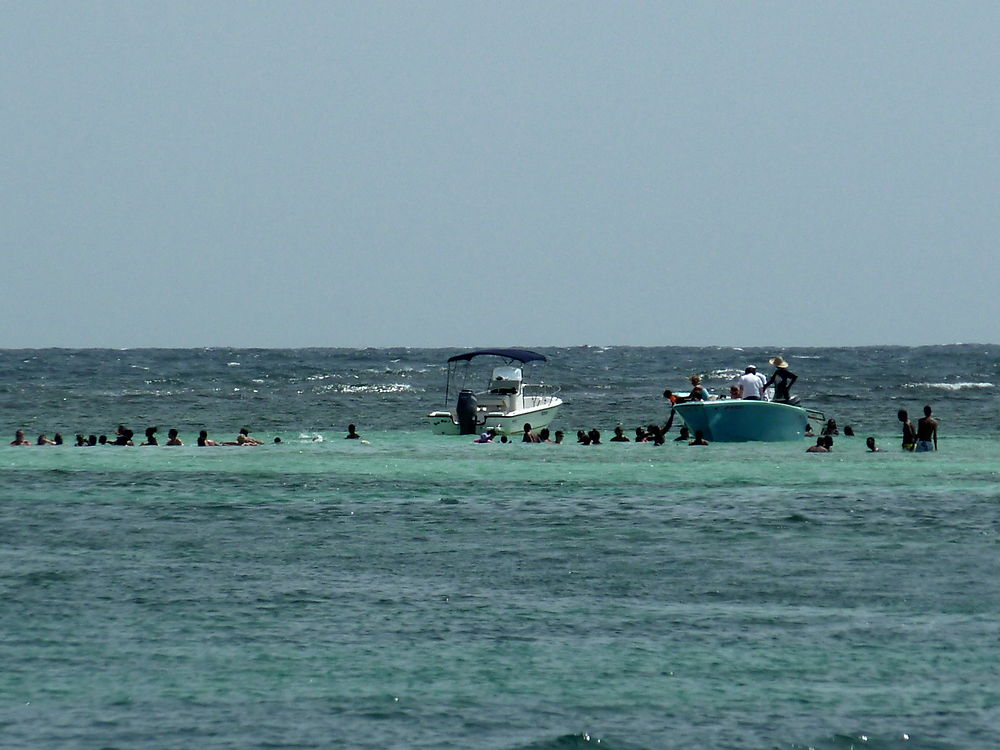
x,y
783,378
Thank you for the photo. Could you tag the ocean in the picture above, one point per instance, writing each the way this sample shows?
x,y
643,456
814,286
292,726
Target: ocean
x,y
411,590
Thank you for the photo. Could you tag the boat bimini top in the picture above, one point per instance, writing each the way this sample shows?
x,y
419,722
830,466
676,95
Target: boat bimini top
x,y
519,355
505,379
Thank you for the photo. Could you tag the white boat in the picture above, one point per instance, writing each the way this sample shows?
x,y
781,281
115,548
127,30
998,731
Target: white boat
x,y
507,404
740,420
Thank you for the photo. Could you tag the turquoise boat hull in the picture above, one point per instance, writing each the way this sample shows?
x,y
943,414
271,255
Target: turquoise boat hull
x,y
739,421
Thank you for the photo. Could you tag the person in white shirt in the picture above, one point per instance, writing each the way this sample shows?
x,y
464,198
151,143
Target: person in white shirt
x,y
750,384
765,393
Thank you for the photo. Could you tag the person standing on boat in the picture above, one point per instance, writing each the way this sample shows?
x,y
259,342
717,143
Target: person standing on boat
x,y
750,384
782,379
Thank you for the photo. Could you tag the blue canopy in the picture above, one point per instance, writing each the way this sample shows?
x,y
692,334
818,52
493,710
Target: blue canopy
x,y
521,355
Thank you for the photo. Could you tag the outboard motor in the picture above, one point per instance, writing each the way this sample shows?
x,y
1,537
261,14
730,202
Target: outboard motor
x,y
465,410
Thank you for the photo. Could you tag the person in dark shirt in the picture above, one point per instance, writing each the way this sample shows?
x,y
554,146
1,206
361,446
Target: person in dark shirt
x,y
782,379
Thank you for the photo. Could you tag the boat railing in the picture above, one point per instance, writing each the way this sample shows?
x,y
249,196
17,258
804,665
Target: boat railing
x,y
816,414
539,391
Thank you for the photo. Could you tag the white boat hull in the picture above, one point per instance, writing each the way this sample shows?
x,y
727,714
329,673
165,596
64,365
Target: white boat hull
x,y
509,423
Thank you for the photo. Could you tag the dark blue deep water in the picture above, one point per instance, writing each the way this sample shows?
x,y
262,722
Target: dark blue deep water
x,y
421,591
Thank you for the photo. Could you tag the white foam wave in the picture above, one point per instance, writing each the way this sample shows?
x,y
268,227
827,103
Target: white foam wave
x,y
725,374
949,386
382,388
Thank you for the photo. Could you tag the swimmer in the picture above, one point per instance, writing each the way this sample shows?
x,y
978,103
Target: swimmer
x,y
44,440
685,434
123,436
927,432
909,437
620,436
81,441
848,431
670,422
150,437
92,441
244,438
352,433
820,446
699,439
595,437
277,441
172,438
560,436
19,439
57,438
872,448
543,435
203,439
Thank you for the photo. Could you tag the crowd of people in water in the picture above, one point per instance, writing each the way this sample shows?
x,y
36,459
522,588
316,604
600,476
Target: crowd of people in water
x,y
923,439
751,385
124,436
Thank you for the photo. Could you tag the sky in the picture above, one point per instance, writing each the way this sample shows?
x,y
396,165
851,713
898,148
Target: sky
x,y
475,174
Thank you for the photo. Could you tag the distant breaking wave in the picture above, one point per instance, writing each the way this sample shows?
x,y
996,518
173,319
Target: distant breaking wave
x,y
949,386
387,388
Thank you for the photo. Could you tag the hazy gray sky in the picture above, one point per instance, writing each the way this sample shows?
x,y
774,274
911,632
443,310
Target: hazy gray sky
x,y
499,173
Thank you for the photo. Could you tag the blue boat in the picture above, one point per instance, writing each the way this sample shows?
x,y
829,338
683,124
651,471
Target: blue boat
x,y
742,420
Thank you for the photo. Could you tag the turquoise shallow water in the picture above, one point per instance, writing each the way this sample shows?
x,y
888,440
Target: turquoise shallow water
x,y
423,591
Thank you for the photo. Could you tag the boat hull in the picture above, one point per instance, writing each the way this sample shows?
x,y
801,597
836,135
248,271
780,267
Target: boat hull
x,y
744,420
446,422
